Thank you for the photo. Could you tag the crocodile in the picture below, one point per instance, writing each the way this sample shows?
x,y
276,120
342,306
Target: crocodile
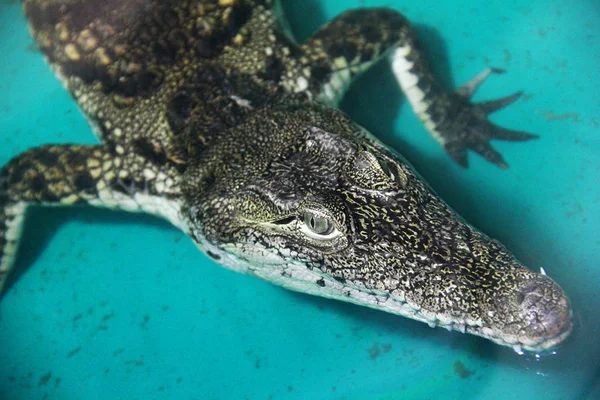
x,y
211,115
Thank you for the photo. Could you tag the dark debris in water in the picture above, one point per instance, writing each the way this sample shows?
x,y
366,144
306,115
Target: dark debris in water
x,y
73,351
44,379
376,350
461,370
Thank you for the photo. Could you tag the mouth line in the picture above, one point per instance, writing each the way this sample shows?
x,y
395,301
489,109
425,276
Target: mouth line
x,y
405,308
542,345
295,276
479,329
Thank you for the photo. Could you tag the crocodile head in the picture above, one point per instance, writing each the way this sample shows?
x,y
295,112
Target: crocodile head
x,y
306,199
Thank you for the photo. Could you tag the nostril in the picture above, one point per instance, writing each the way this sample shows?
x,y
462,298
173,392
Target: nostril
x,y
556,321
530,295
550,320
536,315
547,306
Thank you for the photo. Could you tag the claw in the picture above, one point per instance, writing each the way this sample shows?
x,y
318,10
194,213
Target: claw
x,y
488,107
489,153
458,154
510,135
469,88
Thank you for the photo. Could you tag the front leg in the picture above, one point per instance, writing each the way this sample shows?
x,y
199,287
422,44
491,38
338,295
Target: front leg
x,y
106,175
352,42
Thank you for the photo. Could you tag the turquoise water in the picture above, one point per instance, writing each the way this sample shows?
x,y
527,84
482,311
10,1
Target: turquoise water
x,y
116,306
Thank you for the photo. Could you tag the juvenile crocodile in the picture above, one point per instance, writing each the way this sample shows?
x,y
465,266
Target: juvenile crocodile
x,y
213,117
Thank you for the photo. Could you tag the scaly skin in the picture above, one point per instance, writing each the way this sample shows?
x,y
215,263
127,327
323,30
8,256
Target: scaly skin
x,y
213,118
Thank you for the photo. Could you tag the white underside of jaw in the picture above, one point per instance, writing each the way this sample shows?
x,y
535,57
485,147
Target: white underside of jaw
x,y
521,344
294,275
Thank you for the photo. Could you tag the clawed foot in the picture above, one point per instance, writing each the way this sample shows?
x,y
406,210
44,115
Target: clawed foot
x,y
466,126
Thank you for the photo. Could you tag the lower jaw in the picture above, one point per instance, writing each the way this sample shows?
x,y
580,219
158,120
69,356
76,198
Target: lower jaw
x,y
298,278
543,345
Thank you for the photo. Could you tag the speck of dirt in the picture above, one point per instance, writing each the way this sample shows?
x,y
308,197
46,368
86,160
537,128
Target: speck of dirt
x,y
257,363
376,350
74,351
144,323
32,47
527,96
357,332
102,325
44,379
461,370
118,351
81,256
138,363
290,388
108,316
552,116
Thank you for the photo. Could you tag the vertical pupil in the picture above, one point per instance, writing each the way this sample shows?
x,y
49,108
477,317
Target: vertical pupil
x,y
317,223
385,168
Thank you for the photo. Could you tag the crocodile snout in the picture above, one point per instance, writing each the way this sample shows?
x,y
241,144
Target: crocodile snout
x,y
547,313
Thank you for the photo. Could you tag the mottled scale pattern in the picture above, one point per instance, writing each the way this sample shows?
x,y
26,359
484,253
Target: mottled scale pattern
x,y
123,61
104,175
213,117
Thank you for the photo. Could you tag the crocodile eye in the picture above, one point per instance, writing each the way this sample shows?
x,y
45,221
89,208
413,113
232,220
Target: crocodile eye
x,y
385,167
318,224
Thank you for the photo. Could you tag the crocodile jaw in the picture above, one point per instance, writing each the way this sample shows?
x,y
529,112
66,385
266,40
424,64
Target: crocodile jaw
x,y
294,275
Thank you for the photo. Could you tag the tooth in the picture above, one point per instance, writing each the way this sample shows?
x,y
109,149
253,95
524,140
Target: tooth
x,y
542,271
518,349
487,331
